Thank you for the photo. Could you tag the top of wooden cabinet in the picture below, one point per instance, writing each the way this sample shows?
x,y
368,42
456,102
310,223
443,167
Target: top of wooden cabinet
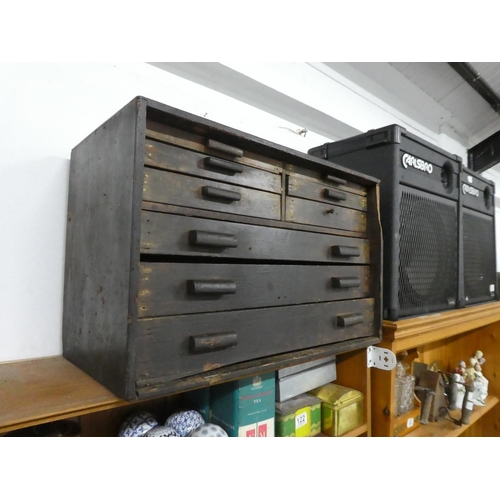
x,y
413,332
148,113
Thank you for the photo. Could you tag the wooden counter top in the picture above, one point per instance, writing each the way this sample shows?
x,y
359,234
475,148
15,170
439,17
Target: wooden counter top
x,y
44,389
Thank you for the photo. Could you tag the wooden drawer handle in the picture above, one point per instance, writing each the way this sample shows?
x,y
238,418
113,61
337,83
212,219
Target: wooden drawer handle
x,y
336,180
346,282
345,251
212,342
218,287
220,194
349,319
224,148
210,239
229,167
334,195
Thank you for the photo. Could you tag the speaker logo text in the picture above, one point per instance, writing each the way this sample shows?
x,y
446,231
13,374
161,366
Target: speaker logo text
x,y
412,161
466,189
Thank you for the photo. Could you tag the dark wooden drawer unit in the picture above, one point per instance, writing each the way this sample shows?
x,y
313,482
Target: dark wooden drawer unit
x,y
169,288
182,190
171,345
168,234
175,159
197,254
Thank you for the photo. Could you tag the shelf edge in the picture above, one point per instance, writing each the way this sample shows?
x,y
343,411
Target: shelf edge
x,y
478,413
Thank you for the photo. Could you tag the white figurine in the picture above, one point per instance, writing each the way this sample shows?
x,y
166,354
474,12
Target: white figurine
x,y
461,369
478,358
457,391
479,382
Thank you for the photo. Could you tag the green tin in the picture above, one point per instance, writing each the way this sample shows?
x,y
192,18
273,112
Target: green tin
x,y
245,408
298,417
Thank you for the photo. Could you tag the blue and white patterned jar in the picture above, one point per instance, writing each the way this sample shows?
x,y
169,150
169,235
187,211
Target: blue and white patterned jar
x,y
184,422
161,431
137,424
208,430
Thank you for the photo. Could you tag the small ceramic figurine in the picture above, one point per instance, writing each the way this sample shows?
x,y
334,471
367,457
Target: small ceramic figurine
x,y
479,382
461,369
477,358
456,391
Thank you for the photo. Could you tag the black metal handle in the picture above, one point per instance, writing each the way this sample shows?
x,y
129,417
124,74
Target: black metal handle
x,y
345,251
335,180
388,136
213,287
212,342
346,282
334,195
349,319
210,239
220,194
228,166
224,148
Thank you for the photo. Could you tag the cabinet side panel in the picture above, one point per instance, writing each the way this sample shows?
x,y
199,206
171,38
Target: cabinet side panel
x,y
374,233
98,251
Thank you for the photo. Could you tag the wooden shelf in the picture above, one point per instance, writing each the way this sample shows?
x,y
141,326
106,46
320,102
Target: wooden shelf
x,y
46,389
42,390
446,428
358,431
414,332
442,339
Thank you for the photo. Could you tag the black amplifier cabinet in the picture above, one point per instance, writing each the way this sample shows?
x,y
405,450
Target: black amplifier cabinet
x,y
478,279
419,208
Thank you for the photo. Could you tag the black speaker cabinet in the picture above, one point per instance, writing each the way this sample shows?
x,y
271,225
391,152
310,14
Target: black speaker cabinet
x,y
419,209
478,278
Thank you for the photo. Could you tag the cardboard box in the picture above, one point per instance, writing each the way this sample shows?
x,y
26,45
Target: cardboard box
x,y
245,408
342,409
298,417
291,370
303,378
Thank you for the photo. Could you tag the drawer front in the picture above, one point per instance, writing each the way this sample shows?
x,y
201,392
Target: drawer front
x,y
330,179
176,159
302,187
167,234
167,289
228,149
326,215
182,190
177,346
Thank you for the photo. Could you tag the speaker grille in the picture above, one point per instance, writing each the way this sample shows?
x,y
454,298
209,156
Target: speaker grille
x,y
479,257
427,254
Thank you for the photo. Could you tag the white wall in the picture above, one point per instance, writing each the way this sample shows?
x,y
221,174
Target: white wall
x,y
48,108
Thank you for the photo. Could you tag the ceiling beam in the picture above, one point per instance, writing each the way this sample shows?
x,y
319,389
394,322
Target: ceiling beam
x,y
476,81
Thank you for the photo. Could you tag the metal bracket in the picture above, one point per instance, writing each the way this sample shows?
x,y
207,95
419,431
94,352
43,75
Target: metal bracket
x,y
380,358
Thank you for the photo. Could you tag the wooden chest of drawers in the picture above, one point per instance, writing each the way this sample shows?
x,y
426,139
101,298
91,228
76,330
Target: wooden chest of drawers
x,y
197,254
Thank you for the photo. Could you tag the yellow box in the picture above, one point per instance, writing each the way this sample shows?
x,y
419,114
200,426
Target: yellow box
x,y
298,417
342,409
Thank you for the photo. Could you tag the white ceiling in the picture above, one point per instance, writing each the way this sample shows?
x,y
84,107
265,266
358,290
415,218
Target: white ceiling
x,y
489,71
431,94
471,115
